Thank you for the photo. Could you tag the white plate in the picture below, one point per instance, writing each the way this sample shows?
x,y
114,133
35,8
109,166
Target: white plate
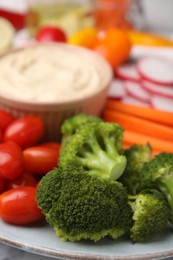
x,y
41,239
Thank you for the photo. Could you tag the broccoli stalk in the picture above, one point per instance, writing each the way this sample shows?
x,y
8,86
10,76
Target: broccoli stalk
x,y
150,215
81,206
97,147
158,173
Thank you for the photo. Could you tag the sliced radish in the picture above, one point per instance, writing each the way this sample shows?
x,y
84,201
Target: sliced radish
x,y
137,91
133,101
162,103
166,91
156,70
117,89
128,72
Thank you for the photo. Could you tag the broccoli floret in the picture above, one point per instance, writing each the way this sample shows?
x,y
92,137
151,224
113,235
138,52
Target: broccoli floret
x,y
98,148
71,125
150,215
80,206
158,173
136,156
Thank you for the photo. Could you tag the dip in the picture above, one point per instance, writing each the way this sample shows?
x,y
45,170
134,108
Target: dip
x,y
51,73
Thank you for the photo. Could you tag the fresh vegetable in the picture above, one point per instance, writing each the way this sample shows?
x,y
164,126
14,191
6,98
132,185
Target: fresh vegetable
x,y
1,136
127,99
97,147
156,70
18,206
11,160
150,215
25,131
81,206
25,179
158,144
162,103
136,156
150,114
2,184
117,89
71,125
127,71
40,159
53,145
158,173
6,119
137,91
149,39
139,125
50,34
154,89
115,46
85,37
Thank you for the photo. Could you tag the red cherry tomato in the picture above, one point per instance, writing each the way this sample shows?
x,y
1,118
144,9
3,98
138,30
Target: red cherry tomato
x,y
50,34
2,184
1,136
5,119
25,131
26,179
18,206
11,160
40,159
53,145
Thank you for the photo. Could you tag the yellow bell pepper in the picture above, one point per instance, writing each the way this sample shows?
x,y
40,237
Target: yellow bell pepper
x,y
149,39
86,37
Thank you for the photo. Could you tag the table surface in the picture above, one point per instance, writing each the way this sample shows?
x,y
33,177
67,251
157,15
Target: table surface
x,y
11,253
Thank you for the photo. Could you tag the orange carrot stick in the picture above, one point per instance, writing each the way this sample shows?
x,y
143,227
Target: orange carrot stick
x,y
152,114
139,125
157,144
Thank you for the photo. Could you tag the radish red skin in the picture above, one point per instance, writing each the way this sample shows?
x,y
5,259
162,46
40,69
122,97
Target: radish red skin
x,y
154,89
128,72
156,70
137,91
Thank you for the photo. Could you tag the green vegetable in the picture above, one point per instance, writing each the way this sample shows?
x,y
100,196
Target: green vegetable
x,y
81,206
150,215
71,125
158,173
136,156
97,147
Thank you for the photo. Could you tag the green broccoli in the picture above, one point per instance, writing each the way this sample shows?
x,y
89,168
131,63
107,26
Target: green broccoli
x,y
158,173
97,147
150,215
71,125
136,156
81,206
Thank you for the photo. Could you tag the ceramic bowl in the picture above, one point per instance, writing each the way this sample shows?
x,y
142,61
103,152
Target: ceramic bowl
x,y
55,110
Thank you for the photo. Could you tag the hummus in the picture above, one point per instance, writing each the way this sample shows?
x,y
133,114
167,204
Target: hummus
x,y
50,73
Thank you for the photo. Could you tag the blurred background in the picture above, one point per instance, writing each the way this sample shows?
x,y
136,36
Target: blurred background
x,y
154,15
158,15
